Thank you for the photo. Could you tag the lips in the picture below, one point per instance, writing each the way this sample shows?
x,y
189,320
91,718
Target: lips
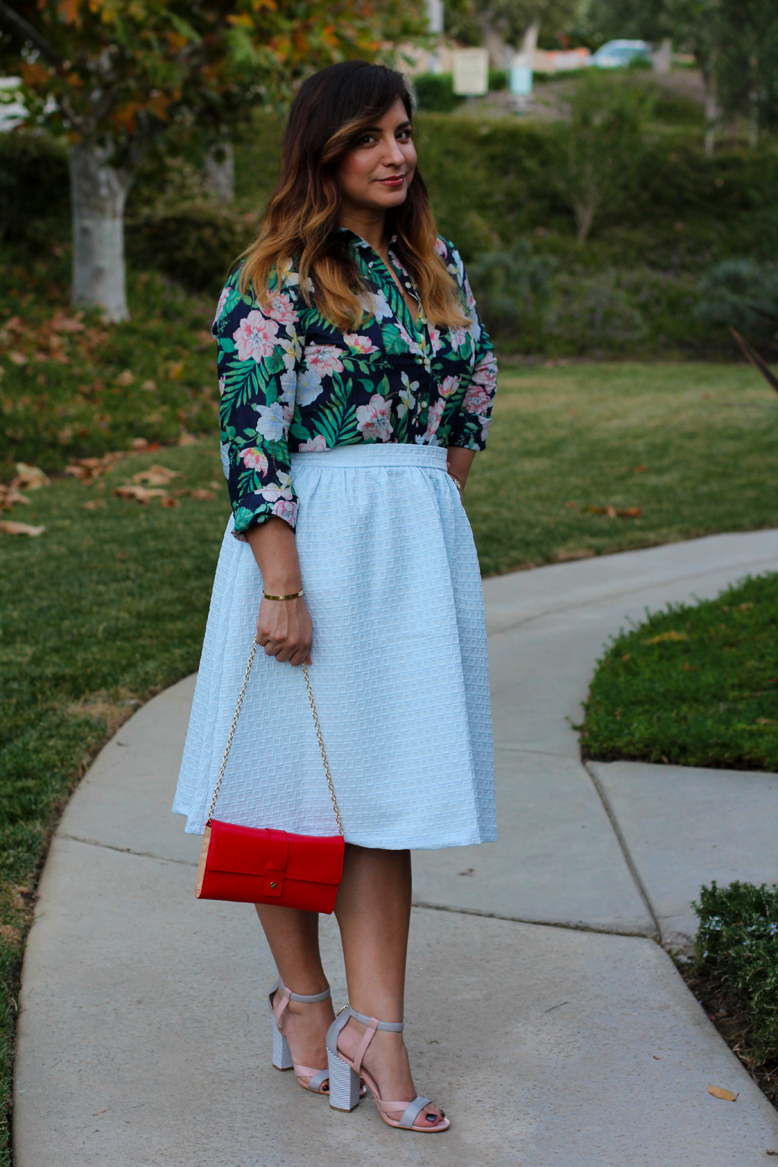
x,y
395,180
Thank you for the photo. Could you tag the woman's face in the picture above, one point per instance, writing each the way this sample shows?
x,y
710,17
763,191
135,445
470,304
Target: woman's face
x,y
376,174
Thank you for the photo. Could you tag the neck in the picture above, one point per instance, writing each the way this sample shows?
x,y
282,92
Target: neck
x,y
367,222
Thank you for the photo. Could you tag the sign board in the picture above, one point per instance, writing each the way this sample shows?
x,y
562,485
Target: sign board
x,y
520,77
471,72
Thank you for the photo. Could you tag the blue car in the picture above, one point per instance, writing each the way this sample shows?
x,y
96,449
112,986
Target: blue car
x,y
618,54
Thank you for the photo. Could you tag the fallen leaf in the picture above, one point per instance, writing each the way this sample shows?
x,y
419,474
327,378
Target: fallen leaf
x,y
94,504
573,554
156,475
664,759
149,386
571,505
20,528
186,439
175,370
10,497
201,495
65,435
29,477
720,1092
140,444
671,635
609,511
630,513
170,502
124,378
17,358
138,493
641,469
687,668
215,485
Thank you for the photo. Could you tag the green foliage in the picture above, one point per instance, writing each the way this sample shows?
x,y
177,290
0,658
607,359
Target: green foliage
x,y
34,186
737,948
196,245
732,292
469,20
603,146
511,288
435,92
694,686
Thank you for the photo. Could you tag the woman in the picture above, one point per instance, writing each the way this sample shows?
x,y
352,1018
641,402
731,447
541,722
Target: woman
x,y
357,385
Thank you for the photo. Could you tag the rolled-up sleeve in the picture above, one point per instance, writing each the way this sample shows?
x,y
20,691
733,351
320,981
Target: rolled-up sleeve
x,y
471,424
258,357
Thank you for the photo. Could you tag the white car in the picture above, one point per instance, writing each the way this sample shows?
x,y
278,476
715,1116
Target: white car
x,y
617,54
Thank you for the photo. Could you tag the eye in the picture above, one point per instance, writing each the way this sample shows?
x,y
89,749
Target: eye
x,y
366,140
405,135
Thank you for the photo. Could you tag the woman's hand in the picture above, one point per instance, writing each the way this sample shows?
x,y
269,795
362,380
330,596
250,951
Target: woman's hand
x,y
285,631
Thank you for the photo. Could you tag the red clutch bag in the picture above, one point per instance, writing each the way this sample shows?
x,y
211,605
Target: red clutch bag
x,y
265,866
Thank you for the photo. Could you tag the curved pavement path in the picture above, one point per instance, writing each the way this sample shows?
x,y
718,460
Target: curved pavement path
x,y
543,1012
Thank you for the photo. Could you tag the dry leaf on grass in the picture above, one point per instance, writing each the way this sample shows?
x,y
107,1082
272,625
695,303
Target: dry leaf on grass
x,y
17,358
156,475
186,439
201,495
215,485
124,378
29,477
20,528
720,1092
671,635
612,512
94,504
170,502
10,497
139,493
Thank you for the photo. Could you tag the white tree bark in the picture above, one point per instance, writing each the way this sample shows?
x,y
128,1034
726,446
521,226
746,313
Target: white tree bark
x,y
98,194
219,172
712,113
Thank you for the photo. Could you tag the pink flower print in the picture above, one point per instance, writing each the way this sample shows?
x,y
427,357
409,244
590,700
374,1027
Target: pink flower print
x,y
486,373
323,359
433,421
435,339
282,309
287,510
256,336
457,337
449,385
359,344
440,247
477,400
254,459
373,419
222,301
315,445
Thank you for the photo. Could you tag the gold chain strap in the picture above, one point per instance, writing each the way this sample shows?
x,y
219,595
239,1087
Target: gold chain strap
x,y
233,727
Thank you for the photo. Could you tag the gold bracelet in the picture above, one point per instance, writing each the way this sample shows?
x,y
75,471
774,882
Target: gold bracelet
x,y
291,596
454,478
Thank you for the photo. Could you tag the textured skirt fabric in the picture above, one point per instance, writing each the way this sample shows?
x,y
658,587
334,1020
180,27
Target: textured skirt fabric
x,y
399,673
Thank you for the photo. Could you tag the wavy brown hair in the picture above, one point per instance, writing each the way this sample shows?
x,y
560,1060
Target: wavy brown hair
x,y
330,112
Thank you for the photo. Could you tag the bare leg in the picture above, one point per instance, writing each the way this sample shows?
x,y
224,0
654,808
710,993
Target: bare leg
x,y
294,942
373,911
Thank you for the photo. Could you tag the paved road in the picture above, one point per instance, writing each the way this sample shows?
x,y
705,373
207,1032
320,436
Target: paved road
x,y
543,1010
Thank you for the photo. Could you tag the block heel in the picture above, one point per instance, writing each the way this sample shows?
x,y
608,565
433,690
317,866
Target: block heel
x,y
282,1055
344,1083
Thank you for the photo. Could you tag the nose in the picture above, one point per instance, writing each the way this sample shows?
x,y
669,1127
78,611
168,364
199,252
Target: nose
x,y
393,155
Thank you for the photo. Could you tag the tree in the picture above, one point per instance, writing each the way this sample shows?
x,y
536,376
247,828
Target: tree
x,y
116,74
603,146
500,24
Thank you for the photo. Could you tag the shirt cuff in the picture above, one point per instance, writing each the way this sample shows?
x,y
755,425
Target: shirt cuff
x,y
253,509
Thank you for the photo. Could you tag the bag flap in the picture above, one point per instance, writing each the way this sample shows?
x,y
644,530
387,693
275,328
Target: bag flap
x,y
256,851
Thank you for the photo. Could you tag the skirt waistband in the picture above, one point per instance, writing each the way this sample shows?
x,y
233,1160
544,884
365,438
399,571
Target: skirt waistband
x,y
372,454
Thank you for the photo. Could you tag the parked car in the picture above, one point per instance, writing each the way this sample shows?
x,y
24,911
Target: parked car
x,y
617,54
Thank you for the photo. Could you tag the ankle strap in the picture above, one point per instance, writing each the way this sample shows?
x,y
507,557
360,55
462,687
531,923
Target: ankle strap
x,y
287,995
389,1026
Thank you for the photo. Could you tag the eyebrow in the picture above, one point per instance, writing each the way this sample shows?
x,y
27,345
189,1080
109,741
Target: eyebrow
x,y
377,129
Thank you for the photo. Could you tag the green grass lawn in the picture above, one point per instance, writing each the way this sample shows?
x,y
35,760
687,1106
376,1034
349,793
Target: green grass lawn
x,y
108,606
694,447
695,685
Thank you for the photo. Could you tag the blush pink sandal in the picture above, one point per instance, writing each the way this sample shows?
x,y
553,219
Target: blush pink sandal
x,y
318,1080
346,1075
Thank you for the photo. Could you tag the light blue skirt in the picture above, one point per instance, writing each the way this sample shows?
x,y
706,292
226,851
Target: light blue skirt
x,y
400,671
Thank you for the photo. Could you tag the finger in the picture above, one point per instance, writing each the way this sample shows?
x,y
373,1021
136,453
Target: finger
x,y
308,660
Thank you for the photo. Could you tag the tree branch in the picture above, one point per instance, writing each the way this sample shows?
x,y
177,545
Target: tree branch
x,y
13,20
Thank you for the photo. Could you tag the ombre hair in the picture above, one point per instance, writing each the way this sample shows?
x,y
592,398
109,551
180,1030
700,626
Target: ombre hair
x,y
300,225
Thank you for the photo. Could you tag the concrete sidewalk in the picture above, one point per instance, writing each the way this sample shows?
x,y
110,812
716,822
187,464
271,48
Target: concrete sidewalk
x,y
557,1034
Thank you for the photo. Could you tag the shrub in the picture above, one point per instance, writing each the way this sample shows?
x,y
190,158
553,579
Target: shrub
x,y
511,288
732,292
435,92
737,945
34,184
196,244
594,312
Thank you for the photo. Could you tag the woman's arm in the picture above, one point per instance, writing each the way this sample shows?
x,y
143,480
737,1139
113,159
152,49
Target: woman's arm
x,y
284,627
458,463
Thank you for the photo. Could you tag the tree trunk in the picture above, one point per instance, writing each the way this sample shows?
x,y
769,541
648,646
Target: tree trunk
x,y
219,172
98,194
662,58
712,113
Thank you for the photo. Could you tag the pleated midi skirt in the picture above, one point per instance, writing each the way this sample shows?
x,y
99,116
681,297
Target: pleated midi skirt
x,y
399,674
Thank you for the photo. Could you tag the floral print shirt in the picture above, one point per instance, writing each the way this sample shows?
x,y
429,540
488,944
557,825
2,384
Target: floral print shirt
x,y
289,380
